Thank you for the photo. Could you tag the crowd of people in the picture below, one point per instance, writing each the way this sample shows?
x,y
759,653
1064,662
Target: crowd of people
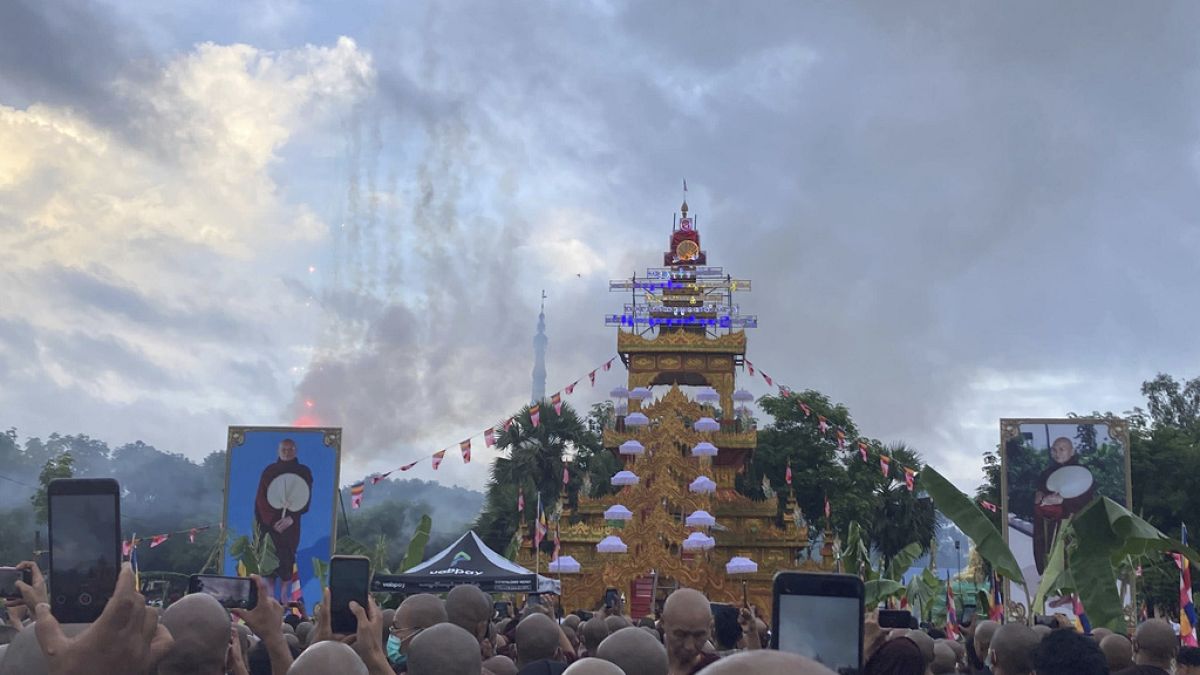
x,y
461,635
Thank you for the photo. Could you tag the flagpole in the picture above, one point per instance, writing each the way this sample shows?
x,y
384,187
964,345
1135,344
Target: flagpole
x,y
537,549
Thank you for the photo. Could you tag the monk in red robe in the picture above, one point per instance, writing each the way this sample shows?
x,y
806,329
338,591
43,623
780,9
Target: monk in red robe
x,y
1049,507
283,528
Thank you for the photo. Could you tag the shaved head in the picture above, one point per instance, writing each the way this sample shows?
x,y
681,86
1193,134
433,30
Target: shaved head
x,y
414,615
537,639
444,649
24,654
983,637
593,666
687,624
200,627
1118,651
925,643
615,623
1098,634
944,659
1012,649
1155,644
593,633
634,652
500,665
328,657
766,662
572,621
470,609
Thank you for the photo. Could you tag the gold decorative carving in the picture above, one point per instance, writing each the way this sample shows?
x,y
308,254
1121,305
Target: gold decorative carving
x,y
670,341
669,362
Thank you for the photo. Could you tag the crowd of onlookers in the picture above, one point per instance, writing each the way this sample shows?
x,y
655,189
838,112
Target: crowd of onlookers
x,y
460,635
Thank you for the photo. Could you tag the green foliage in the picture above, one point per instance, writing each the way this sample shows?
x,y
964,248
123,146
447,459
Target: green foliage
x,y
970,519
416,546
877,590
255,553
61,466
1055,578
922,590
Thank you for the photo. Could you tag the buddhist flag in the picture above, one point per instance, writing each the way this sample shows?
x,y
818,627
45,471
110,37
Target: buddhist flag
x,y
1083,625
749,366
535,415
909,475
571,388
996,608
768,379
297,593
608,364
805,409
566,475
539,529
465,448
787,475
489,438
592,377
1187,610
158,539
410,465
951,612
437,459
556,399
862,450
356,494
988,505
520,500
379,477
822,423
884,464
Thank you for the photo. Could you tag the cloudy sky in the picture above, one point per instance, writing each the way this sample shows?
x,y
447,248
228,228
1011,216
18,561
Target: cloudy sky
x,y
257,212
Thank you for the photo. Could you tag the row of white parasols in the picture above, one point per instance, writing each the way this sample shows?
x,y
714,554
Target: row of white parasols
x,y
569,565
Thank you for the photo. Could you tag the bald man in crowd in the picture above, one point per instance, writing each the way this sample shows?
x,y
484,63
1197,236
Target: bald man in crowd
x,y
415,614
1011,649
470,609
634,652
538,652
944,659
500,665
201,629
766,662
926,644
1154,649
1118,652
979,643
444,649
593,632
687,625
593,666
324,658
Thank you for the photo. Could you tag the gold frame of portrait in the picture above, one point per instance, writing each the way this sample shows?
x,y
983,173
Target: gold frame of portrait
x,y
331,437
1118,428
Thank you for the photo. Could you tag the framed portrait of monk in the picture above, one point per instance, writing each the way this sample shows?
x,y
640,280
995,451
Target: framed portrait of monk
x,y
280,516
1050,470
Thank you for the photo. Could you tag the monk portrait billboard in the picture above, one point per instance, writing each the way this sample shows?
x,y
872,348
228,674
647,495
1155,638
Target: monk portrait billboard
x,y
280,488
1051,470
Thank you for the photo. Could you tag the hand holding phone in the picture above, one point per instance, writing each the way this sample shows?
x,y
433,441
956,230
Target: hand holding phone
x,y
9,576
85,546
819,616
349,579
231,592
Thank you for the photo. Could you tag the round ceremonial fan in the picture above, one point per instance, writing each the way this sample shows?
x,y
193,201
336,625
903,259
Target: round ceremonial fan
x,y
288,492
1070,481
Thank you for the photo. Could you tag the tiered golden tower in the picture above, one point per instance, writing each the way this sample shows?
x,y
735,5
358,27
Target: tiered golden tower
x,y
681,333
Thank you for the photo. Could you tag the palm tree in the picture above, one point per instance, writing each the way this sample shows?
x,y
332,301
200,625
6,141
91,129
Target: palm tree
x,y
532,462
899,517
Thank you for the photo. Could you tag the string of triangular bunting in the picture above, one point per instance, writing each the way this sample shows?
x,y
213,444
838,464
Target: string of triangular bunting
x,y
489,436
156,540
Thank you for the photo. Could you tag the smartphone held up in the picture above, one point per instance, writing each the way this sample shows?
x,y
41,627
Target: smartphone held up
x,y
349,580
9,576
231,592
84,519
819,616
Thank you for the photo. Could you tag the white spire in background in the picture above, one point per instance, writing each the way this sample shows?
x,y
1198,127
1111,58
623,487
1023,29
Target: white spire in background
x,y
539,355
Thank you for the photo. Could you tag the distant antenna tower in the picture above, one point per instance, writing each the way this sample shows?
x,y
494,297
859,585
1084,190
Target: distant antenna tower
x,y
539,355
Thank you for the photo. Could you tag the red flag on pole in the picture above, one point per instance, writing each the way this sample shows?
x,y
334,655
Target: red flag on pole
x,y
787,476
465,448
437,459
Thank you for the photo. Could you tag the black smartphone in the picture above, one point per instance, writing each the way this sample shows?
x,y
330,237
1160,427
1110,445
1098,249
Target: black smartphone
x,y
85,546
819,616
9,576
611,597
896,618
968,616
231,592
349,579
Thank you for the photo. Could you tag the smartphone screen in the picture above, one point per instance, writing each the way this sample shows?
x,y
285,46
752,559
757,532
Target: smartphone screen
x,y
821,617
85,547
896,618
349,578
9,576
231,592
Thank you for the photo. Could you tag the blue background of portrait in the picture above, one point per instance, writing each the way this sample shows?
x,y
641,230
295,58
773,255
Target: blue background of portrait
x,y
246,463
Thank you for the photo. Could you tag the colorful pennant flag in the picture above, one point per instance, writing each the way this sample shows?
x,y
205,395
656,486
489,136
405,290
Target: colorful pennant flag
x,y
380,477
787,476
535,415
158,539
540,529
571,388
297,593
192,536
1187,610
1083,625
805,409
996,608
822,423
489,438
520,500
988,505
592,377
862,450
749,366
556,399
126,548
841,439
437,459
951,613
465,448
566,475
608,364
768,379
828,511
508,423
784,391
909,475
410,465
885,464
356,494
